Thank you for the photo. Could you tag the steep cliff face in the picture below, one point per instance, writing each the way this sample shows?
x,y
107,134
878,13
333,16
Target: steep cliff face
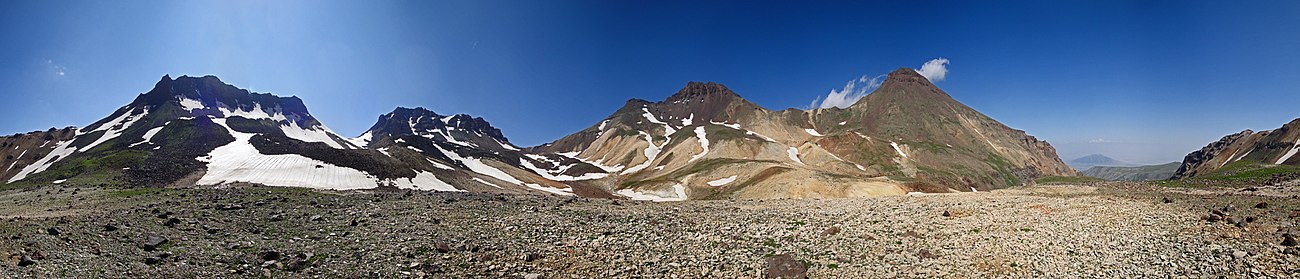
x,y
1275,147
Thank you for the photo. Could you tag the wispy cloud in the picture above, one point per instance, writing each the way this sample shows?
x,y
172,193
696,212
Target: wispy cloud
x,y
852,91
56,68
1099,140
934,70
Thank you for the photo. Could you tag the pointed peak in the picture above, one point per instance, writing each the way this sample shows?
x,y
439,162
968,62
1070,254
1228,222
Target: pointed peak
x,y
697,89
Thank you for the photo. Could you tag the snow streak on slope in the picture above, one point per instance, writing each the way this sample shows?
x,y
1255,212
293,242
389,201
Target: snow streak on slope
x,y
558,173
477,165
113,128
239,161
1290,153
651,152
61,150
704,143
557,191
723,181
362,140
813,132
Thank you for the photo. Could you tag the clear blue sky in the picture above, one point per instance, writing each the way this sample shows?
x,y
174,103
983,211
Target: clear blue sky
x,y
1142,81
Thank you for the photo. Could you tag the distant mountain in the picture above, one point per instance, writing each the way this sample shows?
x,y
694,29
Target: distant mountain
x,y
1137,173
1094,160
1245,150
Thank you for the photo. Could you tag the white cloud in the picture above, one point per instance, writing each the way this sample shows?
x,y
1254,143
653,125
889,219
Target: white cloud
x,y
1099,140
852,91
934,70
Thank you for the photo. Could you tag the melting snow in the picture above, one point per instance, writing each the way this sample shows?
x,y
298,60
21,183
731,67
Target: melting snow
x,y
733,126
60,181
476,165
480,180
704,143
813,132
362,140
1290,153
20,155
114,128
507,146
148,135
843,122
574,155
794,155
602,125
239,161
896,149
678,190
688,120
723,181
191,104
314,134
557,191
650,151
559,176
651,117
424,180
437,165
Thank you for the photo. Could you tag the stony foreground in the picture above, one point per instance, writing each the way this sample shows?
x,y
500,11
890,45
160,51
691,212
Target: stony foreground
x,y
1113,230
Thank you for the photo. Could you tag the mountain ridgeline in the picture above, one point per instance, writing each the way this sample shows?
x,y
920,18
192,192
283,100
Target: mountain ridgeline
x,y
703,142
1247,155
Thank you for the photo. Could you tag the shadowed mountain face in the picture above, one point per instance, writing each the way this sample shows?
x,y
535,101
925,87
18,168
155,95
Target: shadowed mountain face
x,y
1245,150
703,142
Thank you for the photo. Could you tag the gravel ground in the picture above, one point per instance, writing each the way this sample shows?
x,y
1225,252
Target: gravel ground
x,y
1104,230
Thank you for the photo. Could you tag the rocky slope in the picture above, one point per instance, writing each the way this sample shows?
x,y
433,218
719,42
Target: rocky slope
x,y
1122,231
706,142
1138,173
1275,147
199,130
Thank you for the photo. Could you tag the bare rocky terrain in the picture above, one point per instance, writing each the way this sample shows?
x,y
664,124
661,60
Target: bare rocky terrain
x,y
1100,230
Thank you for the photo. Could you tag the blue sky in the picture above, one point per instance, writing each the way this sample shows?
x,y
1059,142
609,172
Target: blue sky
x,y
1141,81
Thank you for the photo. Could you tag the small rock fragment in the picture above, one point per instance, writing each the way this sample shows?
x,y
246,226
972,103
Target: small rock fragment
x,y
785,266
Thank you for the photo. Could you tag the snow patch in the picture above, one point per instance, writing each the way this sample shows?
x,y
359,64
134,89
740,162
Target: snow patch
x,y
557,191
114,128
679,193
314,134
557,174
813,132
239,161
650,152
424,180
191,104
480,180
362,140
60,181
477,165
723,181
688,120
148,135
843,122
1290,153
899,150
794,155
704,143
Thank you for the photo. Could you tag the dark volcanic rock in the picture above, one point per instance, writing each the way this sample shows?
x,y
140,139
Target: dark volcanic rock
x,y
153,241
785,266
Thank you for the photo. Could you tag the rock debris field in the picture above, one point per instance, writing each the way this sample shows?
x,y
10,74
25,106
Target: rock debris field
x,y
1111,230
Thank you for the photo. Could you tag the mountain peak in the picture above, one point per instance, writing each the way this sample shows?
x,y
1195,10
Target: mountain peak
x,y
906,75
699,89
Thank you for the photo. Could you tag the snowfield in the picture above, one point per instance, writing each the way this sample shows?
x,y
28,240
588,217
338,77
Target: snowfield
x,y
239,161
1290,153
